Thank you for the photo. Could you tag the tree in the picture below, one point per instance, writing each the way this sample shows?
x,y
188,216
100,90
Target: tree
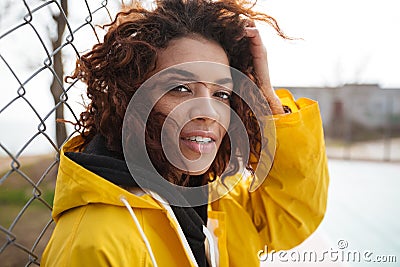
x,y
55,88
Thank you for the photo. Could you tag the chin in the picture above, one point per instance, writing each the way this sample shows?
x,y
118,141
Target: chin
x,y
196,170
197,166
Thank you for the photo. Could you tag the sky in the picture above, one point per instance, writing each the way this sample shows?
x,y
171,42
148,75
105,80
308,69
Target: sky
x,y
343,41
338,42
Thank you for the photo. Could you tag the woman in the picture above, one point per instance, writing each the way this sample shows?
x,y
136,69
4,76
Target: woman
x,y
183,60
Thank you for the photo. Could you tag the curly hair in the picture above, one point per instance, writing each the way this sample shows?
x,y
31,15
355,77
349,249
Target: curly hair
x,y
114,69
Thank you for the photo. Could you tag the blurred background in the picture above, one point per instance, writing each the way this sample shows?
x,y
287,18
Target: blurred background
x,y
344,55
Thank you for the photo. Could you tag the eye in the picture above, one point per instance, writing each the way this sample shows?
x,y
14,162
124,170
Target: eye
x,y
180,88
223,95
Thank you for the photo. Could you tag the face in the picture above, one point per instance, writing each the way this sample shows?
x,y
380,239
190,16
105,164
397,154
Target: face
x,y
196,102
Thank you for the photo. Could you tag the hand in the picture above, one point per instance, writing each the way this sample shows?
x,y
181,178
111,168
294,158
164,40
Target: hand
x,y
260,62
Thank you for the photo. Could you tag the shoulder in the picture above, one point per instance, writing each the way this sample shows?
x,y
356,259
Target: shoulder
x,y
95,235
103,230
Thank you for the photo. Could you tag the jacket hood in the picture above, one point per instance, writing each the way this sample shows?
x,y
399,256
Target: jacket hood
x,y
77,186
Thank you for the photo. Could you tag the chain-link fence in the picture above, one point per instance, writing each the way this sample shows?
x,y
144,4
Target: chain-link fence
x,y
37,39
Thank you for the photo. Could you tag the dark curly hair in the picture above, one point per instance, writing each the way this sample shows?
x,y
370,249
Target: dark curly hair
x,y
114,69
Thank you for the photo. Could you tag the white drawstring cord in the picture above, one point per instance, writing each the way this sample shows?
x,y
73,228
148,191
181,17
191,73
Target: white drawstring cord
x,y
211,246
146,241
179,228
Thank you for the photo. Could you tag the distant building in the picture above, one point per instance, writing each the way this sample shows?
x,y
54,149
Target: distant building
x,y
356,111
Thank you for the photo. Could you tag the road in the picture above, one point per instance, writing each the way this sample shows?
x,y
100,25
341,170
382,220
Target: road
x,y
361,224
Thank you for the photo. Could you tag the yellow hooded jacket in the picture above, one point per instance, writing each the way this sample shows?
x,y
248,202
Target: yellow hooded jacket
x,y
95,228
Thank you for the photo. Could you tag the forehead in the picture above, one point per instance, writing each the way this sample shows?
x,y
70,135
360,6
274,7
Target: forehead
x,y
184,50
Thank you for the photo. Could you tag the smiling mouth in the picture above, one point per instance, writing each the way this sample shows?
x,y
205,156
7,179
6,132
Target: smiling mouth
x,y
199,144
199,139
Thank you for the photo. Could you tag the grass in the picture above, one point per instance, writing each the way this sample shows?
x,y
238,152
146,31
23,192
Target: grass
x,y
19,196
26,230
15,191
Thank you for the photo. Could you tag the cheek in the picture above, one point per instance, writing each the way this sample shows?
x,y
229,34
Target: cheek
x,y
166,105
224,117
224,122
163,106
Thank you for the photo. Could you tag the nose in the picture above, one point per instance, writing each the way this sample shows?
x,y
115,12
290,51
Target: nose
x,y
204,106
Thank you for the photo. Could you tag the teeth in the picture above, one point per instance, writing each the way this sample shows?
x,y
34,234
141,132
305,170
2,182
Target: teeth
x,y
199,139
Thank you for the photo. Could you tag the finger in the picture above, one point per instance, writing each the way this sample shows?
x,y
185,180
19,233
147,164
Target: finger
x,y
250,23
254,36
257,48
252,32
260,62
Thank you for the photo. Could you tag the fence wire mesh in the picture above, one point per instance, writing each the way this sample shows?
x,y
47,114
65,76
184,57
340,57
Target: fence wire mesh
x,y
35,37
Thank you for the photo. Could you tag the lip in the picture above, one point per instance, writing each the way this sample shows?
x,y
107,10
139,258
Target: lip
x,y
201,133
206,148
200,148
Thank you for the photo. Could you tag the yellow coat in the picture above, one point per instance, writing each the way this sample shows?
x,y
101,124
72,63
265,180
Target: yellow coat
x,y
94,228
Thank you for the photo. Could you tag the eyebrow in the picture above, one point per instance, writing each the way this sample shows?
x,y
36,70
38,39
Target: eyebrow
x,y
191,75
224,81
184,73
